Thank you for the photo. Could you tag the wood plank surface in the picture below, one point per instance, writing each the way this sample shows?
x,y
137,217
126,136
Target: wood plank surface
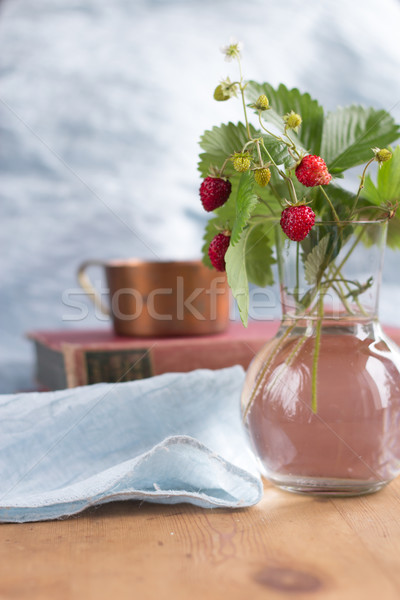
x,y
288,546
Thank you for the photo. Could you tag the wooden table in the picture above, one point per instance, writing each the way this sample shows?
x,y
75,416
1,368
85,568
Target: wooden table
x,y
288,546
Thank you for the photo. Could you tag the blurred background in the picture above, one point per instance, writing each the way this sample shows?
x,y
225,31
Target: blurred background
x,y
102,105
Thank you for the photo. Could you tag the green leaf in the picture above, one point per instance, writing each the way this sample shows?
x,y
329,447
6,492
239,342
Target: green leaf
x,y
250,260
219,143
246,200
350,133
259,255
387,189
371,192
315,261
235,260
282,101
278,151
393,234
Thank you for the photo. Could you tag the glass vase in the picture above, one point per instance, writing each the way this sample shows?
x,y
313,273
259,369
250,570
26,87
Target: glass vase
x,y
321,401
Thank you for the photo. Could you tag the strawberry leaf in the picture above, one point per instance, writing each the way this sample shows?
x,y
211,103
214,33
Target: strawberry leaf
x,y
235,259
221,142
387,189
250,260
259,255
316,261
246,200
350,133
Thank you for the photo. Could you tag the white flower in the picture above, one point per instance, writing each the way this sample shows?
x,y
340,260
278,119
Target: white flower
x,y
232,50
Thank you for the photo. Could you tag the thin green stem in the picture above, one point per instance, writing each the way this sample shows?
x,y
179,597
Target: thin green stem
x,y
264,218
259,152
266,366
350,252
335,215
242,88
362,183
296,289
251,141
317,347
221,171
289,182
270,132
292,144
338,289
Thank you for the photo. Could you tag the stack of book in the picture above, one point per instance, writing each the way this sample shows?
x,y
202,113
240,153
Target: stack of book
x,y
66,359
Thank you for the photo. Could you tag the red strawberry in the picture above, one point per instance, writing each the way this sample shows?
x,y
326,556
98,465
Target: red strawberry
x,y
217,250
313,171
297,222
214,192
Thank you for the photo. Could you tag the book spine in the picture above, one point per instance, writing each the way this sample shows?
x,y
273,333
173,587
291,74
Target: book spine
x,y
88,366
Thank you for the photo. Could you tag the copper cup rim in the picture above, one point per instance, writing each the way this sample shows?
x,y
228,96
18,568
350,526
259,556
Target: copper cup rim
x,y
139,262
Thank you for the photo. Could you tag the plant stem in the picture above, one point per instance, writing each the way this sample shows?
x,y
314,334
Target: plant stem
x,y
350,252
242,88
259,152
296,289
317,348
266,366
270,132
289,182
335,215
362,183
292,145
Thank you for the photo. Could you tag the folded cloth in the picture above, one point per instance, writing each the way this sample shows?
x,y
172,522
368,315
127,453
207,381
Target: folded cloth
x,y
177,437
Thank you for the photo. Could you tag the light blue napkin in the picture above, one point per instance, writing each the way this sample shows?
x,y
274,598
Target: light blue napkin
x,y
173,438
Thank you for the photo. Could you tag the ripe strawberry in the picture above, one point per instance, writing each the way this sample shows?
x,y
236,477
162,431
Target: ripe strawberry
x,y
297,222
217,250
313,171
214,192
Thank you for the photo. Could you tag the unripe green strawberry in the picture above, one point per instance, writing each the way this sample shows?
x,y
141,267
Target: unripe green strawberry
x,y
262,102
241,162
262,176
220,95
292,120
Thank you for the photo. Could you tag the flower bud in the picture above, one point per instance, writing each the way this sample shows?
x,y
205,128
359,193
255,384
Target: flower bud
x,y
382,155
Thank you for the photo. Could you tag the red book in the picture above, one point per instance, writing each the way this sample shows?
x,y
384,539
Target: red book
x,y
68,358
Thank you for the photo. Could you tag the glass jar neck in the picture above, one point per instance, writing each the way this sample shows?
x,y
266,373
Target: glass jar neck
x,y
334,275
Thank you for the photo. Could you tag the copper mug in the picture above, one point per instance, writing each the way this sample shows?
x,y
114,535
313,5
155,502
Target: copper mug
x,y
155,298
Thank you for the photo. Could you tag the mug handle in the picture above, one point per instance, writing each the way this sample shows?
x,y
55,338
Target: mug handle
x,y
88,287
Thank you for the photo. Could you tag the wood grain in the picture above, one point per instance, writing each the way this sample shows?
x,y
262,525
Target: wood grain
x,y
288,546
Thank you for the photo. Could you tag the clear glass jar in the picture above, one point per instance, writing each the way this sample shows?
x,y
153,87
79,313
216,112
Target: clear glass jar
x,y
321,401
